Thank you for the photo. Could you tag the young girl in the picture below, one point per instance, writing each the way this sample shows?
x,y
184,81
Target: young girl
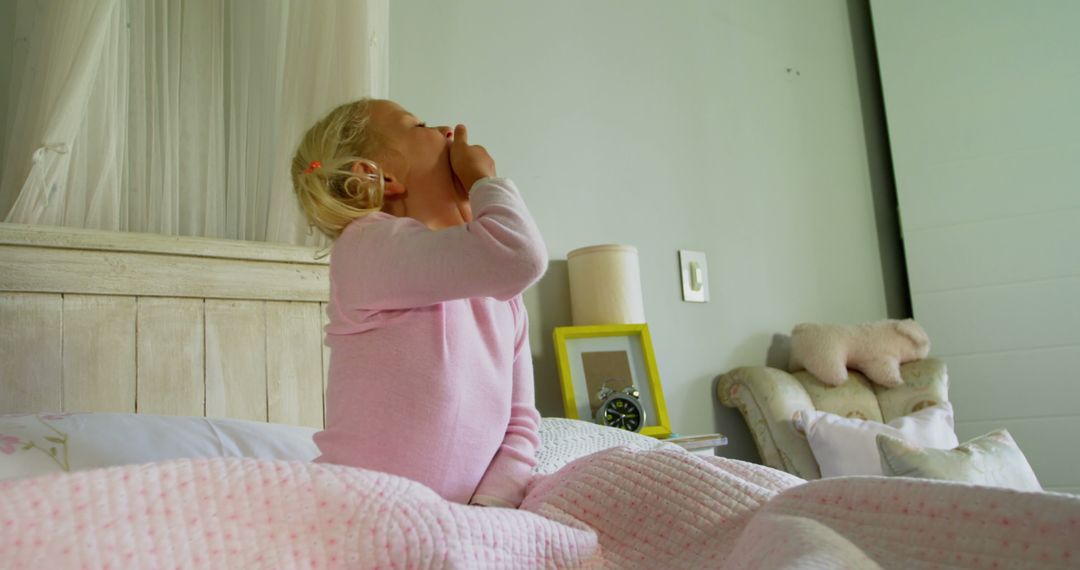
x,y
430,370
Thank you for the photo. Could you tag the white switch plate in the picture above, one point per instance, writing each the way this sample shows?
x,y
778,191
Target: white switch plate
x,y
695,276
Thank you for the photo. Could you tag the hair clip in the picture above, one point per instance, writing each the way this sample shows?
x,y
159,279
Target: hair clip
x,y
315,165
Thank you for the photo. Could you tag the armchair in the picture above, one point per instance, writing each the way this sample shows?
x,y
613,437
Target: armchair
x,y
768,398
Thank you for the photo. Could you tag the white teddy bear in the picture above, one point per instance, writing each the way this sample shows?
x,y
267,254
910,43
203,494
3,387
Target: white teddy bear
x,y
876,349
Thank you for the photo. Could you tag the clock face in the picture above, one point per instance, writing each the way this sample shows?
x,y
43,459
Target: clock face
x,y
621,412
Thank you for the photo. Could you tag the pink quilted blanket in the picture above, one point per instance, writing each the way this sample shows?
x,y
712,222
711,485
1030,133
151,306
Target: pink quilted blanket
x,y
613,509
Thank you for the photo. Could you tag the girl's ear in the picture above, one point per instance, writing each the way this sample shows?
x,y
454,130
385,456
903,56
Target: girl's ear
x,y
391,187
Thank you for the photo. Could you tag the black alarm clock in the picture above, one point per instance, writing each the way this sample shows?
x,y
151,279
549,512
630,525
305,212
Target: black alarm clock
x,y
620,409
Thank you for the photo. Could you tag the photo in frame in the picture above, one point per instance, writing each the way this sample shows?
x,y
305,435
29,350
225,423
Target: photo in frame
x,y
617,355
610,369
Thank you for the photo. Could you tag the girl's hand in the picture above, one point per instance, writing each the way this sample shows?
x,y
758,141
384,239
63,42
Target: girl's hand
x,y
469,163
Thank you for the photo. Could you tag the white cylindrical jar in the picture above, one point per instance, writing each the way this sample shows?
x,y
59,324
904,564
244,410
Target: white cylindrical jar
x,y
605,285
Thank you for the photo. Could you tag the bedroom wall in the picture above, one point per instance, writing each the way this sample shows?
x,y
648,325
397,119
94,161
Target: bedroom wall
x,y
731,127
982,98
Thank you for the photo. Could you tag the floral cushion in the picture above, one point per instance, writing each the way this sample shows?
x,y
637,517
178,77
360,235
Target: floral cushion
x,y
769,398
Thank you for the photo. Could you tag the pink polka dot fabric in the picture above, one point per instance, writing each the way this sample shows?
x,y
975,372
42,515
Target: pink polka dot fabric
x,y
913,523
618,508
247,513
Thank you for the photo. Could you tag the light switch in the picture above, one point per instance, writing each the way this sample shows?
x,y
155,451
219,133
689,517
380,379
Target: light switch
x,y
695,276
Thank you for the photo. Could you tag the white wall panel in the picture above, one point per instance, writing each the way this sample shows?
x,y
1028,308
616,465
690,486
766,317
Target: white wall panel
x,y
1015,384
31,335
994,252
1001,317
99,353
170,357
945,193
236,359
100,343
981,100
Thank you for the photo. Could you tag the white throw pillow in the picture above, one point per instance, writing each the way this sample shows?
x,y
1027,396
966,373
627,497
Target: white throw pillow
x,y
848,446
993,460
37,444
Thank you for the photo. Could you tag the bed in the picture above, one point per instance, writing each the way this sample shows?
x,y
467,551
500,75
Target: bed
x,y
208,353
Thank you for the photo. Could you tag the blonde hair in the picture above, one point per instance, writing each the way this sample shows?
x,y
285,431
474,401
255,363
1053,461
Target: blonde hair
x,y
330,192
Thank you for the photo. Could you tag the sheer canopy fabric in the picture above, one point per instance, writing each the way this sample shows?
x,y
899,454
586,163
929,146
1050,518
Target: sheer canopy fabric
x,y
178,117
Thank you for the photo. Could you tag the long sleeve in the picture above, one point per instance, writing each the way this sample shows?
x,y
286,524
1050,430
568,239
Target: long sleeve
x,y
504,483
398,263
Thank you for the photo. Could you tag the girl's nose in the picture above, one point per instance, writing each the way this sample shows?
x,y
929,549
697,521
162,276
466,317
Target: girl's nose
x,y
446,131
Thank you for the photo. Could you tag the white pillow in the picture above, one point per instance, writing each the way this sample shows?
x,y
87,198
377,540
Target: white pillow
x,y
848,446
93,440
563,440
993,460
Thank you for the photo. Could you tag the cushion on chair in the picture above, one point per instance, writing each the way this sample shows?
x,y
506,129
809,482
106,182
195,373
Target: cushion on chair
x,y
845,447
769,399
993,460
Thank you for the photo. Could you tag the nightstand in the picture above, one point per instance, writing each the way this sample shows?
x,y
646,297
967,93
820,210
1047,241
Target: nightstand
x,y
704,444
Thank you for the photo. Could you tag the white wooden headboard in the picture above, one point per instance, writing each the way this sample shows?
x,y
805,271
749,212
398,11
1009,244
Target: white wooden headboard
x,y
124,322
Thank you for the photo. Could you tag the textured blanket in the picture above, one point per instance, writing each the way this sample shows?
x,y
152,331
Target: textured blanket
x,y
614,509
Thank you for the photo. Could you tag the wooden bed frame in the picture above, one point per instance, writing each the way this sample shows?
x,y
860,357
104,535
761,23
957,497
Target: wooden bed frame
x,y
125,322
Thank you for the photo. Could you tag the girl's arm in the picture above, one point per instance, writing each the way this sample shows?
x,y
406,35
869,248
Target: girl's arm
x,y
509,473
400,264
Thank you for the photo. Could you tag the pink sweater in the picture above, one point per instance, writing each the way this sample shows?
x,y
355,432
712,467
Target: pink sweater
x,y
430,369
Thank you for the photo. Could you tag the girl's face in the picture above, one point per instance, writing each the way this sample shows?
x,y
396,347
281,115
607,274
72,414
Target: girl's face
x,y
418,155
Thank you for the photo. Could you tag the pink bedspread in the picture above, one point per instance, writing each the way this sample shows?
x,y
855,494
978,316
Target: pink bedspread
x,y
613,509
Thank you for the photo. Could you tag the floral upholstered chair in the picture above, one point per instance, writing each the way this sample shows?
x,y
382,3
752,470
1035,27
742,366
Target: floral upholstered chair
x,y
769,398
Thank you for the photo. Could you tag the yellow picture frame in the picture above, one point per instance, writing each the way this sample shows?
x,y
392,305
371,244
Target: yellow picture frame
x,y
573,390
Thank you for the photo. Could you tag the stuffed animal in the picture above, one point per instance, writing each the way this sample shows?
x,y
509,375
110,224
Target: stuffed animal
x,y
876,349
